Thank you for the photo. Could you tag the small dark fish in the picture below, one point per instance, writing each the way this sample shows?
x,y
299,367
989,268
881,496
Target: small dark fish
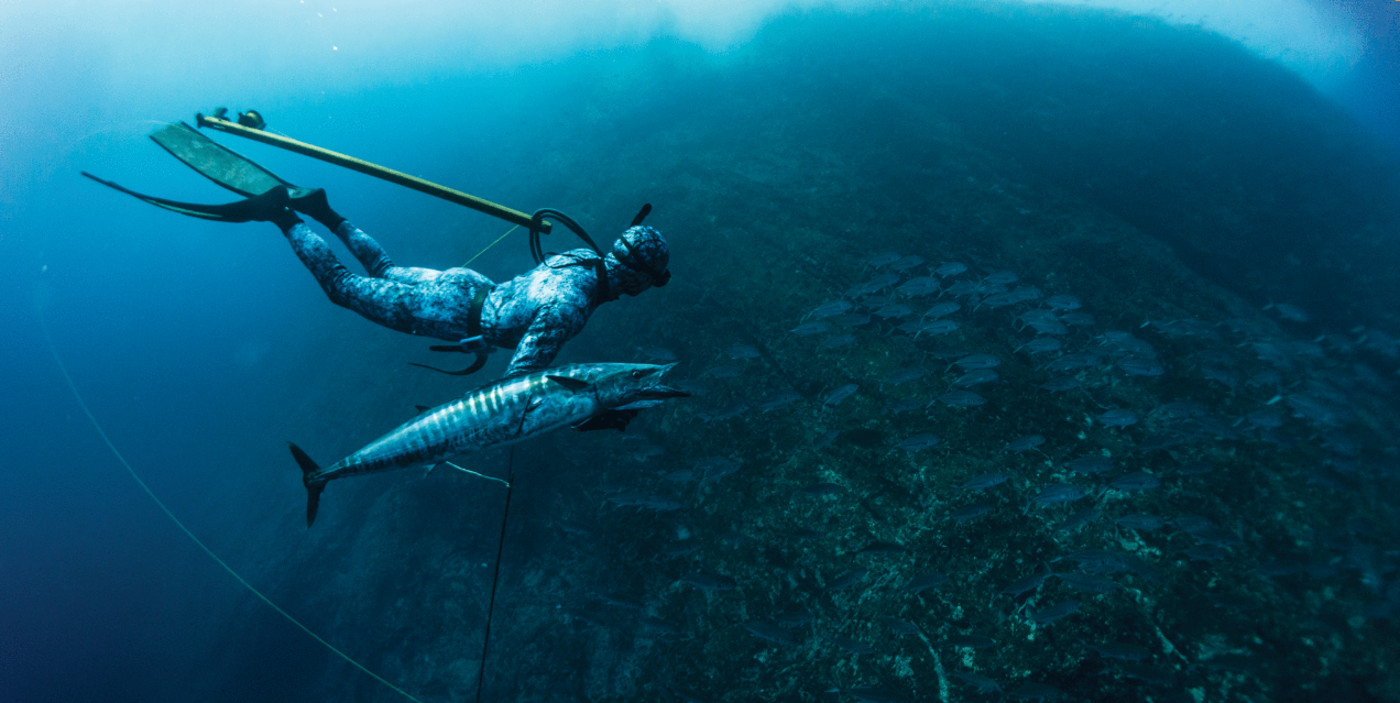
x,y
925,581
936,327
919,287
1001,278
828,309
769,632
778,400
1136,481
968,512
822,489
808,329
739,352
904,406
722,371
907,262
883,259
1058,493
1048,326
865,694
982,482
725,413
804,534
970,641
906,374
883,548
961,399
1090,464
978,682
1206,552
1117,417
839,394
1192,524
1080,519
846,579
899,626
976,361
1073,362
918,442
1088,582
710,582
1115,650
950,268
1141,367
975,377
1024,443
795,617
1033,691
1022,585
659,355
1108,561
894,311
1194,468
1061,384
836,341
853,646
1063,302
942,309
1050,614
682,548
658,627
1141,522
716,467
637,499
1148,673
1041,345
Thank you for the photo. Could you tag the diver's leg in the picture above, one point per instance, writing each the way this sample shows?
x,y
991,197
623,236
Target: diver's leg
x,y
394,305
376,261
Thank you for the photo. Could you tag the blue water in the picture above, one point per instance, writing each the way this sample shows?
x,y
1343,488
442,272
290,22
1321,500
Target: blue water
x,y
1219,181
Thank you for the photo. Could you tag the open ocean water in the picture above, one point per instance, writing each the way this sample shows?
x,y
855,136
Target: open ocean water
x,y
1038,352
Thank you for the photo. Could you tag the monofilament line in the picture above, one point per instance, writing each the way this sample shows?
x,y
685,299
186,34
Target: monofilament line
x,y
68,379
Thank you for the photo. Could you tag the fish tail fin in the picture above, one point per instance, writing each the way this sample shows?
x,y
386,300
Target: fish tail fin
x,y
314,486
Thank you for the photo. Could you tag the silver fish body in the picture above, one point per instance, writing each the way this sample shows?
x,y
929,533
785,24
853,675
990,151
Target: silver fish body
x,y
496,415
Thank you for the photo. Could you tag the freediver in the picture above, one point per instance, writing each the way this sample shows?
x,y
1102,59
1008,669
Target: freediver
x,y
534,313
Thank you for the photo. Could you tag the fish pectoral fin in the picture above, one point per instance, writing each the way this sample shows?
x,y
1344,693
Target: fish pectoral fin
x,y
639,405
573,384
616,419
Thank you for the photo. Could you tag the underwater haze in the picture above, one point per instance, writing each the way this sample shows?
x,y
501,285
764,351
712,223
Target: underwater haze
x,y
1037,351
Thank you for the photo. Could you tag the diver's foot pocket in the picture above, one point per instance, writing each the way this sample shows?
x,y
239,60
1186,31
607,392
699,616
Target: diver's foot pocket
x,y
312,202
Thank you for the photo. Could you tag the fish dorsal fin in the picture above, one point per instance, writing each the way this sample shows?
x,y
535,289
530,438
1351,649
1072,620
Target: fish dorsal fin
x,y
573,384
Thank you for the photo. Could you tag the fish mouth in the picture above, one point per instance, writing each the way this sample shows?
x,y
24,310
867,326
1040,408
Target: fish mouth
x,y
662,393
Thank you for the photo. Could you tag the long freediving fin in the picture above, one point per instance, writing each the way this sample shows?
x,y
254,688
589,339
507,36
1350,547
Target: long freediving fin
x,y
215,161
263,207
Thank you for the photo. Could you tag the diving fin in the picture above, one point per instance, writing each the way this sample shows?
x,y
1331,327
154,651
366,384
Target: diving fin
x,y
270,206
215,161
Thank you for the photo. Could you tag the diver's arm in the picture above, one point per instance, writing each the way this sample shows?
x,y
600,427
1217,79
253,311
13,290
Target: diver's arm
x,y
542,341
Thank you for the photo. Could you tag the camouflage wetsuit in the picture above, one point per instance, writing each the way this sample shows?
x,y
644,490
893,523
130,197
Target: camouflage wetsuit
x,y
535,312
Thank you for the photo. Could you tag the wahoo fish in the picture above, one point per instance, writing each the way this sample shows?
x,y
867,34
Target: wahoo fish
x,y
586,396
